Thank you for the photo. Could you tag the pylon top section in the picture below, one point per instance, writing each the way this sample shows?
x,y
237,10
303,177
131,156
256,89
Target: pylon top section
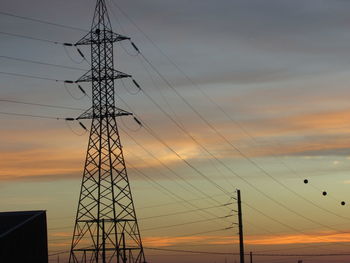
x,y
101,18
101,28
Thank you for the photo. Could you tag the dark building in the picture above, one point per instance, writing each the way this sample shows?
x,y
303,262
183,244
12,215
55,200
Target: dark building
x,y
23,237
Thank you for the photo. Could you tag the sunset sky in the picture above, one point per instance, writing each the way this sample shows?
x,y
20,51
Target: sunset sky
x,y
270,77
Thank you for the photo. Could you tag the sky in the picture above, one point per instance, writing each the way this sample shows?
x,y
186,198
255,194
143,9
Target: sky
x,y
264,88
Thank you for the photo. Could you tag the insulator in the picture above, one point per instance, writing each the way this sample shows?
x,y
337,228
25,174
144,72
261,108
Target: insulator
x,y
342,203
68,44
81,53
83,126
69,81
139,123
69,119
136,48
324,193
136,84
81,89
306,181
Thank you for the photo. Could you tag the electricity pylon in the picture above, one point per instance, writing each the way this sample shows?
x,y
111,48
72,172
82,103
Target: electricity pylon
x,y
106,228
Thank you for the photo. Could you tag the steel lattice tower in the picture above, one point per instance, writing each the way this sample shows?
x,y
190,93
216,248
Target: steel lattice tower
x,y
106,228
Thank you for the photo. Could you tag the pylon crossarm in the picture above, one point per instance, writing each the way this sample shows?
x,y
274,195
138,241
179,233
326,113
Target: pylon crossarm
x,y
113,74
107,111
98,36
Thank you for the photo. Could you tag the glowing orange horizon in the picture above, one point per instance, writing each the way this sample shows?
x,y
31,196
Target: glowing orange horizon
x,y
287,239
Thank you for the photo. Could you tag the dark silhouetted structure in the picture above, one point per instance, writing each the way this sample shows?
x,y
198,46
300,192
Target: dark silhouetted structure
x,y
106,228
23,237
240,227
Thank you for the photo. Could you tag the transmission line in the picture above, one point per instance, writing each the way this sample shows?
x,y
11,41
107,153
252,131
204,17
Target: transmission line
x,y
159,139
63,107
183,212
31,38
207,122
29,76
227,167
31,115
150,131
187,223
170,169
41,63
164,143
174,195
284,224
174,203
256,254
153,134
47,79
39,104
41,21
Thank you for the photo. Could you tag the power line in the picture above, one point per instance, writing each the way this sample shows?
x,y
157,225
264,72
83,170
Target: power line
x,y
31,115
42,21
172,194
39,104
190,234
155,84
165,215
173,203
259,167
62,107
281,223
251,207
31,38
29,76
158,138
194,84
150,131
192,251
41,63
240,152
171,170
187,223
183,212
227,167
255,254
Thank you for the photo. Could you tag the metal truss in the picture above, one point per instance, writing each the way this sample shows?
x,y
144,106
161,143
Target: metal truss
x,y
106,228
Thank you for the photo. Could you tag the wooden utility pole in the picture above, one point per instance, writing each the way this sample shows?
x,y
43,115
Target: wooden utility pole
x,y
240,226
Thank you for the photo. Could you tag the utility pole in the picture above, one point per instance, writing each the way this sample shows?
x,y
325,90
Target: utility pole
x,y
251,256
240,227
106,227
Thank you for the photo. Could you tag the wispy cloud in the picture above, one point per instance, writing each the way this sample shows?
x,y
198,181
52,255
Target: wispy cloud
x,y
288,239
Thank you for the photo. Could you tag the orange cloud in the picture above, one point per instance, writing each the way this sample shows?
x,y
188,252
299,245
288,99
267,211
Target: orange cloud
x,y
52,154
61,234
170,241
288,239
